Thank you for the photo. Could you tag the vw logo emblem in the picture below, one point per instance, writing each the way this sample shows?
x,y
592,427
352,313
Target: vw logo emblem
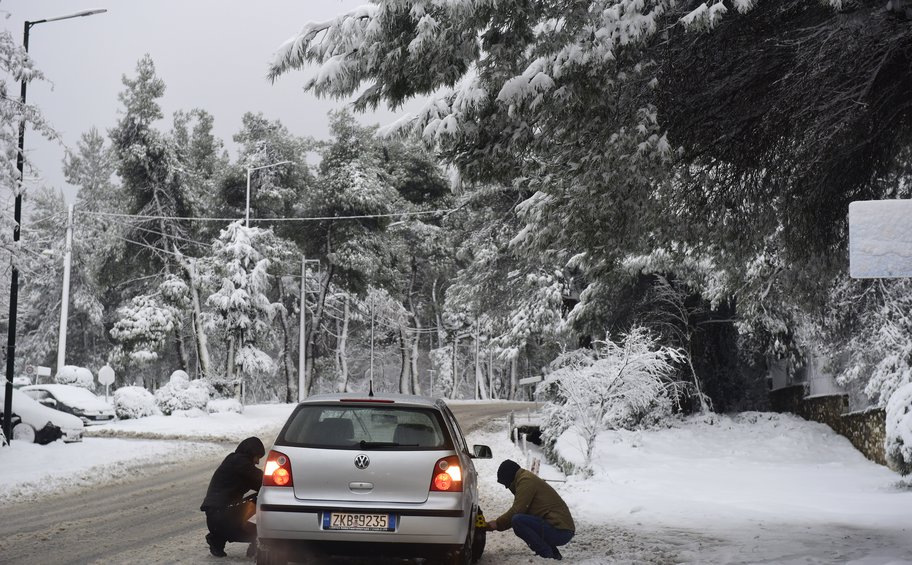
x,y
362,461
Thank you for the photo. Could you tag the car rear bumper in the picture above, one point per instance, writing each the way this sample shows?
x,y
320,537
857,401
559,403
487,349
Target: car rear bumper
x,y
307,551
439,521
96,420
71,435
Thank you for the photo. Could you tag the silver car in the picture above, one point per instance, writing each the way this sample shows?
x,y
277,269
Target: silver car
x,y
370,475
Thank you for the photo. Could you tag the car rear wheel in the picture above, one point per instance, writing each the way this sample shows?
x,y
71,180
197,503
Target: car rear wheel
x,y
270,557
24,432
480,537
463,555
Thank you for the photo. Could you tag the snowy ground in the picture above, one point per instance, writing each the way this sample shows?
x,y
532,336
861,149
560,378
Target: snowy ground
x,y
117,451
756,488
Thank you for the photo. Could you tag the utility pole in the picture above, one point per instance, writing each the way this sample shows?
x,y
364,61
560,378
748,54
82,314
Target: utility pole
x,y
303,380
372,346
65,298
302,344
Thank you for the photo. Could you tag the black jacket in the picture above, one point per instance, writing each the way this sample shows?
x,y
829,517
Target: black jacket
x,y
235,476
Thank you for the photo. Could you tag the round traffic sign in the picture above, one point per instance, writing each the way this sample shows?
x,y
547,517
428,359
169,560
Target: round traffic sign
x,y
30,369
106,375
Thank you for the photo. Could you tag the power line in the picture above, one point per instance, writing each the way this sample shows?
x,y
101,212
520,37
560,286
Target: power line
x,y
304,219
165,236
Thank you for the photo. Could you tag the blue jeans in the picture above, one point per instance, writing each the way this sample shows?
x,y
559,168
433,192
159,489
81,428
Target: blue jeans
x,y
539,535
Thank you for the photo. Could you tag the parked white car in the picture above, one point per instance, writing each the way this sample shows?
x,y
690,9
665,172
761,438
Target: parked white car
x,y
35,416
75,400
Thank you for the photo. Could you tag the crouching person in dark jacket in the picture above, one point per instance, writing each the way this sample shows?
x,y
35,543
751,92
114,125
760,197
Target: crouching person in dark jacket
x,y
226,514
539,516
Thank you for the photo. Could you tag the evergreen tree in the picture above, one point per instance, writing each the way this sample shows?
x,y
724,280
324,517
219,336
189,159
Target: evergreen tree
x,y
355,250
242,257
158,236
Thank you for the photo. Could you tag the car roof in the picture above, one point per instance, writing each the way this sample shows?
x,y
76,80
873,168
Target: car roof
x,y
399,399
58,388
37,414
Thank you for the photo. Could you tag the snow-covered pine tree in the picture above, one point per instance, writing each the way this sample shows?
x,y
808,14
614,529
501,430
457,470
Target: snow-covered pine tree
x,y
353,252
242,257
161,176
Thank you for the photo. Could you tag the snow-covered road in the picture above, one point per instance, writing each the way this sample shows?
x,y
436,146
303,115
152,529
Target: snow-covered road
x,y
747,489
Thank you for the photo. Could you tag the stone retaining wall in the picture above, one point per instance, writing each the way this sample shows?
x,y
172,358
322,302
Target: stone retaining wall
x,y
866,430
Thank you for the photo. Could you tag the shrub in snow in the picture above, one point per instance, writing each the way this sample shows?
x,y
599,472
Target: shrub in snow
x,y
876,356
76,376
612,385
219,405
898,444
134,402
182,394
191,413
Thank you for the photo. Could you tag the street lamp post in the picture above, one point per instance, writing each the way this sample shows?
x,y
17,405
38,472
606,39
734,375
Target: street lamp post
x,y
250,170
17,216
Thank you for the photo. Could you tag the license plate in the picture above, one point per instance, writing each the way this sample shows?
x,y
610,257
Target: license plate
x,y
359,521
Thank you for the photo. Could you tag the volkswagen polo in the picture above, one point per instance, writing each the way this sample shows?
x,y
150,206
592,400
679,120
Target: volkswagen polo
x,y
370,475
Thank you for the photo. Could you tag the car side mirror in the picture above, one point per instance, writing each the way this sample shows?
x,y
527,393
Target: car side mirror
x,y
482,452
49,402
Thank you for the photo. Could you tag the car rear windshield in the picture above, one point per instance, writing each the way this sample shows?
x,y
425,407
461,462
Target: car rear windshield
x,y
373,426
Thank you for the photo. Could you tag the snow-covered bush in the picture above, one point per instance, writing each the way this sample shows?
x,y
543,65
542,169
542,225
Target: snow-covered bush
x,y
898,444
219,405
76,376
189,413
869,331
134,402
182,394
612,385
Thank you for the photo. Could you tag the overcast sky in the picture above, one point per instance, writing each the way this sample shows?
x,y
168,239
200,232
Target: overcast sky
x,y
211,54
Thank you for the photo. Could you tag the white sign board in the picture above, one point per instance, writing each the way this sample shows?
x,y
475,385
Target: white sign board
x,y
530,380
880,239
43,371
106,375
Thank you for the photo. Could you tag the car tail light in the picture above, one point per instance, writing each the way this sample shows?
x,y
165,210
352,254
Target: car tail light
x,y
277,472
447,475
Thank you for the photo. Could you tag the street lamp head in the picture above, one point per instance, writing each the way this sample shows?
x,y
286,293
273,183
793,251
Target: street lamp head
x,y
76,15
267,166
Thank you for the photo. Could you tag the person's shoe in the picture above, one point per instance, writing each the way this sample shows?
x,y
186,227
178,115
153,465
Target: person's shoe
x,y
214,549
555,553
251,549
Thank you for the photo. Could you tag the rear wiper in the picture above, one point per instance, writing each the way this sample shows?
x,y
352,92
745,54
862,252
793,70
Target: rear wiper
x,y
368,444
